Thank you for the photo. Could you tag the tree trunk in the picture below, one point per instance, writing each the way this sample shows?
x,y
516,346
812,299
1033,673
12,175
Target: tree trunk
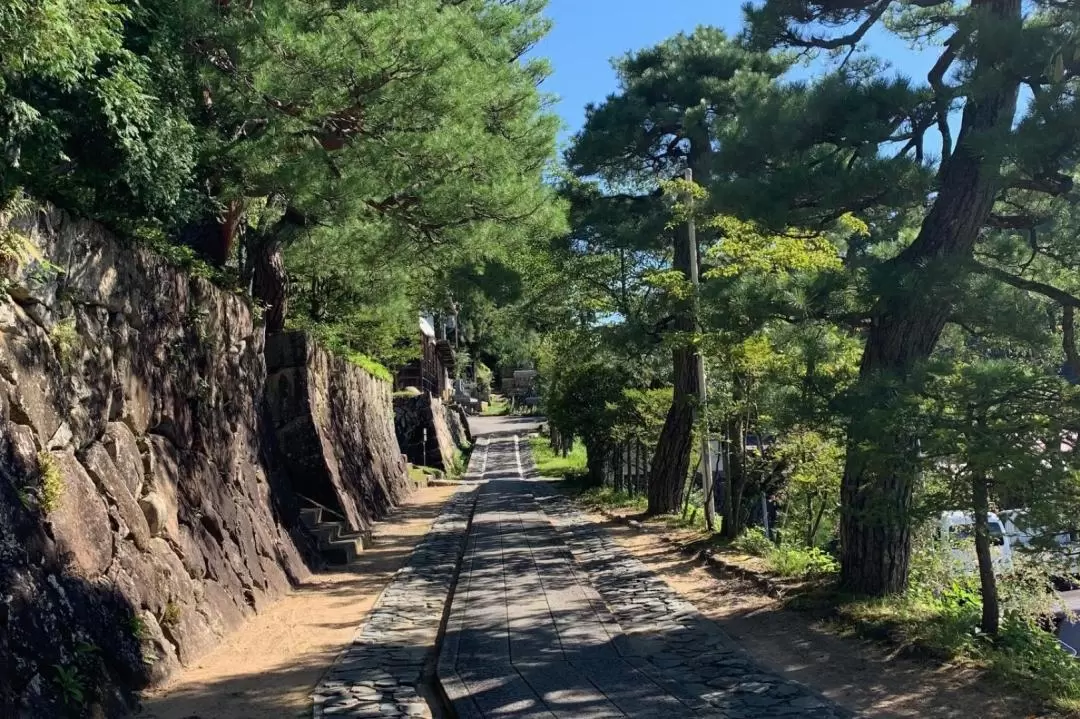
x,y
816,524
596,456
987,580
671,460
1068,343
875,526
270,283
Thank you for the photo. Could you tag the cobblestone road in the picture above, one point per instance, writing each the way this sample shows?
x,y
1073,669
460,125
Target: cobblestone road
x,y
380,674
551,619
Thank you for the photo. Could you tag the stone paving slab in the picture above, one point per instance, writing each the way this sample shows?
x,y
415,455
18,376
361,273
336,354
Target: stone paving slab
x,y
552,619
380,674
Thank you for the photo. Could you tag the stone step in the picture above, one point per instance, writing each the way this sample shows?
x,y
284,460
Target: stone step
x,y
311,517
328,531
342,551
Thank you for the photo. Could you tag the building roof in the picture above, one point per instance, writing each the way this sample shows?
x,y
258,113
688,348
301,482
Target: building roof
x,y
426,327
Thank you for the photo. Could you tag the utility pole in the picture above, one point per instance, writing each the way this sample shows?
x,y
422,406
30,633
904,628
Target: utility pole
x,y
703,393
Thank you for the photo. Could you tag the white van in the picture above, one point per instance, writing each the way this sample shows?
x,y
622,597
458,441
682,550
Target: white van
x,y
1022,534
958,526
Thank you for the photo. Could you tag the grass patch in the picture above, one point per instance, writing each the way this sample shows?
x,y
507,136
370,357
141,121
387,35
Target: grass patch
x,y
369,365
459,464
52,481
550,463
170,615
497,407
420,474
612,500
66,341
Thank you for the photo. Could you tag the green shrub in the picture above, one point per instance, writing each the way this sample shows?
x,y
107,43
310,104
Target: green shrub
x,y
801,562
754,541
787,560
70,684
1030,659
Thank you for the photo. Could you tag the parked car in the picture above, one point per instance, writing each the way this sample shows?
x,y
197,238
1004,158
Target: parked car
x,y
1060,549
958,526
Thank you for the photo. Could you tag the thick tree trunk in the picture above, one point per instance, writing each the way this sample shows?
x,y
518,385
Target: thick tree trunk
x,y
671,461
987,580
875,528
270,283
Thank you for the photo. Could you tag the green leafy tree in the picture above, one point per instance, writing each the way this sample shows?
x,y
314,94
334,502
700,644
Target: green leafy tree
x,y
1001,430
85,117
1002,154
674,100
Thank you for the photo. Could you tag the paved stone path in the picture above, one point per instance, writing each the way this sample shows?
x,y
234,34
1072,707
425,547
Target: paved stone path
x,y
551,619
380,674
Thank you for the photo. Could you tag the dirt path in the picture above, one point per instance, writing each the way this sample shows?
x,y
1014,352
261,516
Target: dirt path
x,y
861,676
269,666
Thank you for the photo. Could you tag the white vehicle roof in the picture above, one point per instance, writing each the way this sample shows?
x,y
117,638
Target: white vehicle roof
x,y
958,516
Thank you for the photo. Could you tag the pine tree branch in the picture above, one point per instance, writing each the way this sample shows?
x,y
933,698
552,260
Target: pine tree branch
x,y
942,95
875,12
1040,288
1056,184
1014,222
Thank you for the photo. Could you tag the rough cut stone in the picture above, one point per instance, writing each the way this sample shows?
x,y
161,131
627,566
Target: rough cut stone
x,y
335,430
423,415
109,480
161,395
80,521
120,443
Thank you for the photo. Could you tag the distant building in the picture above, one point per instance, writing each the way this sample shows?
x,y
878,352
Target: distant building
x,y
433,371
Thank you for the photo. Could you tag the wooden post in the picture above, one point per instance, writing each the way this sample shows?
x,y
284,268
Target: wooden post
x,y
703,393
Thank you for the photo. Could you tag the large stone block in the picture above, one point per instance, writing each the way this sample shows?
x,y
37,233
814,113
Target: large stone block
x,y
120,443
334,426
80,521
162,489
112,484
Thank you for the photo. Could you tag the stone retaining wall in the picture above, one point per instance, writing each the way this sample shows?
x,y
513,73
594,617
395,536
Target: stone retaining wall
x,y
144,508
335,429
417,414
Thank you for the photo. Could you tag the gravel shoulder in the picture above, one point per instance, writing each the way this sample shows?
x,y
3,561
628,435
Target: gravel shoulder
x,y
862,676
269,666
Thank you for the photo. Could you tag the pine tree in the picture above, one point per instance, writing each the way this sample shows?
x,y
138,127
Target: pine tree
x,y
673,101
990,49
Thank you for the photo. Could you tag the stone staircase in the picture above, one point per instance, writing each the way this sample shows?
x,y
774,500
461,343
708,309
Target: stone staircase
x,y
336,543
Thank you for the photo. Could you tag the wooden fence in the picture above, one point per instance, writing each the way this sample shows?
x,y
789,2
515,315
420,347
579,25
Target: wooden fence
x,y
626,467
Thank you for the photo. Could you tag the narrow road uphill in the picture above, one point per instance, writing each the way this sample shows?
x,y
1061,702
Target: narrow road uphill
x,y
551,619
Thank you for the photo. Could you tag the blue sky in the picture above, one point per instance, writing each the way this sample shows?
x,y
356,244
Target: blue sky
x,y
588,33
